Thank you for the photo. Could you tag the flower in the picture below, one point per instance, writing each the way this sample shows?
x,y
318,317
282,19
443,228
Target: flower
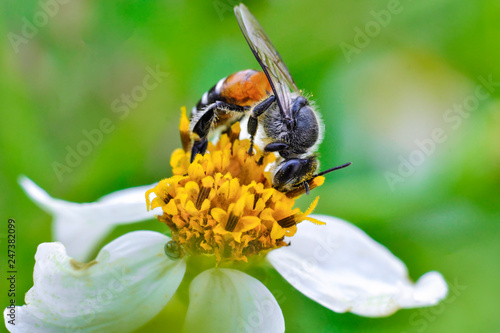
x,y
223,203
221,209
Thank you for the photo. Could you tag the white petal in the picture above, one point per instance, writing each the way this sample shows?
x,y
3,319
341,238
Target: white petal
x,y
342,268
81,226
129,283
227,300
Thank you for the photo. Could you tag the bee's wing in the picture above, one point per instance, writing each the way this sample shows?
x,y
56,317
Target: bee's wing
x,y
269,59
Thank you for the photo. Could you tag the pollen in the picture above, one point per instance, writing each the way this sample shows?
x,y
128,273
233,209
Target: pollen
x,y
223,203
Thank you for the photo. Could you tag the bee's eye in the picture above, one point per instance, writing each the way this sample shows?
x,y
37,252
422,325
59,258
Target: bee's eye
x,y
287,172
294,171
291,169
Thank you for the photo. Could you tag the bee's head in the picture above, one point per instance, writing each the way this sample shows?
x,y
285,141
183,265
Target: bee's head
x,y
293,172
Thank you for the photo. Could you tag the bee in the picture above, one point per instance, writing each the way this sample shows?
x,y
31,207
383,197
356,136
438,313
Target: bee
x,y
270,98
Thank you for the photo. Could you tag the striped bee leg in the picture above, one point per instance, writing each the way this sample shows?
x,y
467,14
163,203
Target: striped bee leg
x,y
205,122
253,119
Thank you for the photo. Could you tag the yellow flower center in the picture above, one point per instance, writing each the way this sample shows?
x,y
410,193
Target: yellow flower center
x,y
223,203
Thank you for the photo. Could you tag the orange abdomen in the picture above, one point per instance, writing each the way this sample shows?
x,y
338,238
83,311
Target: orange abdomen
x,y
246,87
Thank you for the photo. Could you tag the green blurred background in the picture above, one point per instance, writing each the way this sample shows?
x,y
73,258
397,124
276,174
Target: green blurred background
x,y
386,75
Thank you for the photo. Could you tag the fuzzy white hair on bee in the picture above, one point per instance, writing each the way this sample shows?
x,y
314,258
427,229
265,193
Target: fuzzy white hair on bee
x,y
280,118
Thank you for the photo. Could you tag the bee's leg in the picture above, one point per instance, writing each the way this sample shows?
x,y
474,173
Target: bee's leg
x,y
205,122
202,128
199,147
276,146
252,120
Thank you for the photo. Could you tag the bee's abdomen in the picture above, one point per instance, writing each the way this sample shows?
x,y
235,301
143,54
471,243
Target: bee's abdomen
x,y
243,88
209,97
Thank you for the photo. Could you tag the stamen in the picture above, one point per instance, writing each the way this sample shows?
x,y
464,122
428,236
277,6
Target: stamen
x,y
223,203
287,222
256,198
184,130
205,191
231,222
168,198
234,133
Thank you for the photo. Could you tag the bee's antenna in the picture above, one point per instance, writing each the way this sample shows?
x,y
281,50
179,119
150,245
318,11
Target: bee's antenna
x,y
306,183
332,169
